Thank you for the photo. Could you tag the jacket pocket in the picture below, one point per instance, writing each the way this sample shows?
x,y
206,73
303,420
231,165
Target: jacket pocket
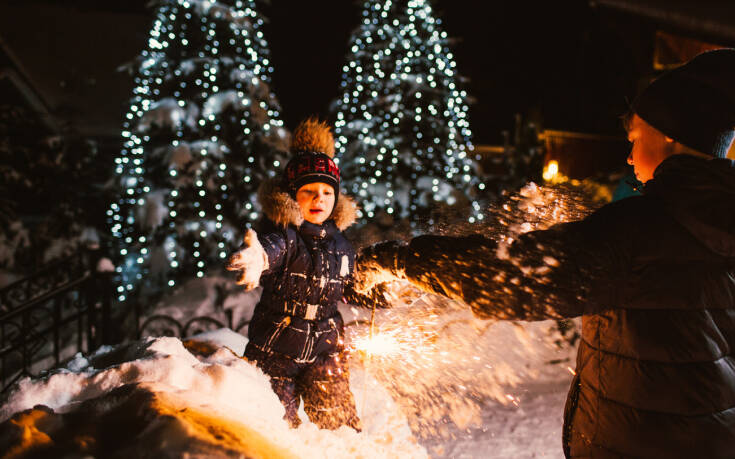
x,y
327,341
308,346
273,336
291,341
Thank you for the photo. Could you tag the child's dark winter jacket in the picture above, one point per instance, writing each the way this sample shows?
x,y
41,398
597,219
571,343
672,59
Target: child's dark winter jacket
x,y
308,268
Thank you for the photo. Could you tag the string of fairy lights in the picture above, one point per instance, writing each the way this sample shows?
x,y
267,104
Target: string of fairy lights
x,y
232,57
402,115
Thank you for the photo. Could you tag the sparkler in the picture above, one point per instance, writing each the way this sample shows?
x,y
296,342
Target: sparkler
x,y
367,359
387,341
435,357
382,344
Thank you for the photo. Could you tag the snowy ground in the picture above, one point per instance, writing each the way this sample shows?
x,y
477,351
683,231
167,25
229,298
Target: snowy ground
x,y
160,398
448,386
166,398
530,429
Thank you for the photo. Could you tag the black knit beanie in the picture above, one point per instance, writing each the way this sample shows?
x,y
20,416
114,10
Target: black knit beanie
x,y
694,104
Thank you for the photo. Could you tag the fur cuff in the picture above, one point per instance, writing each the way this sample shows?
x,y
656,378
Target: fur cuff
x,y
283,210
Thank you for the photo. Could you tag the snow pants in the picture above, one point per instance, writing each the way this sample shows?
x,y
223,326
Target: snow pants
x,y
324,385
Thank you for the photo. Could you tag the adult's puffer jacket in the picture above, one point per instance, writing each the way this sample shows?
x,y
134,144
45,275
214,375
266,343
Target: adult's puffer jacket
x,y
309,267
653,278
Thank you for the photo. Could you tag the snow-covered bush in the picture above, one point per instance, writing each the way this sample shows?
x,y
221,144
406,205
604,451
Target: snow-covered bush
x,y
53,192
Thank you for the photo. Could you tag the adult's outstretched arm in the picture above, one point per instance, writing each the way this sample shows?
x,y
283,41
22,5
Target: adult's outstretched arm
x,y
565,271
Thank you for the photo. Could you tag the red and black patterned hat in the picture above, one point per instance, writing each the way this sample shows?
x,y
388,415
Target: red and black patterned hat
x,y
309,167
312,145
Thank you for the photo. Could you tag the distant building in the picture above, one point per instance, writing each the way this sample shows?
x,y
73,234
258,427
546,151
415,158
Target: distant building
x,y
581,155
18,96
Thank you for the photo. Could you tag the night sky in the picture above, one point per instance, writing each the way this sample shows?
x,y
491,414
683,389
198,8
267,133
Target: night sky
x,y
564,64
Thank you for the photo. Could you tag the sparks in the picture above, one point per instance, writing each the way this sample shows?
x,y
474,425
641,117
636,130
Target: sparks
x,y
514,400
433,355
380,344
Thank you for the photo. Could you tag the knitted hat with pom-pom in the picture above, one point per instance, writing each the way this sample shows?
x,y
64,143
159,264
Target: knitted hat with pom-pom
x,y
312,145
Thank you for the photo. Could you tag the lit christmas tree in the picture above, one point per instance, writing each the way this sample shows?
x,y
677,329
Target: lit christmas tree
x,y
402,130
202,132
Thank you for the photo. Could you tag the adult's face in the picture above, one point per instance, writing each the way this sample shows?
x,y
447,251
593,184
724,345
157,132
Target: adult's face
x,y
649,148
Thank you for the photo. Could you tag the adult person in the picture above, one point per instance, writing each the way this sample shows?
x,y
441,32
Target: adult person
x,y
652,276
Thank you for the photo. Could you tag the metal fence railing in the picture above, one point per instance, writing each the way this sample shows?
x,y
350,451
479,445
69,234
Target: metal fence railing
x,y
48,317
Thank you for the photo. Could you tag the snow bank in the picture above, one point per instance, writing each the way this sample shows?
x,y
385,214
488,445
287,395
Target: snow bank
x,y
193,398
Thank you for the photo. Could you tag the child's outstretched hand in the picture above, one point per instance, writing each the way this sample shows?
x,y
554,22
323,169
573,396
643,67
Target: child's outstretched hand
x,y
251,260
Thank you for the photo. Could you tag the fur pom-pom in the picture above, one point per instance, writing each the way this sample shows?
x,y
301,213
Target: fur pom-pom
x,y
313,135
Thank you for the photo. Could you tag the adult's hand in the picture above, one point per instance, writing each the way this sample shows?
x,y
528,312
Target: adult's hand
x,y
377,264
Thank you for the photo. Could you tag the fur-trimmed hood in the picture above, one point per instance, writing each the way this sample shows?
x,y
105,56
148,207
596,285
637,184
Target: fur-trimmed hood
x,y
283,210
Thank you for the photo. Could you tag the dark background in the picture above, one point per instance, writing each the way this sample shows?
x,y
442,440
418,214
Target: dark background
x,y
567,64
560,60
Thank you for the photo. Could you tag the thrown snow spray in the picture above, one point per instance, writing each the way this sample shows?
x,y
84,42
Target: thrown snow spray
x,y
440,363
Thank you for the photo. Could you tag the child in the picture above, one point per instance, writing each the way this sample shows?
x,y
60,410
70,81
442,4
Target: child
x,y
304,263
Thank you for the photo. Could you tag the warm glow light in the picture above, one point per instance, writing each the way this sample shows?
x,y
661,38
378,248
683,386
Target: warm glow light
x,y
551,170
438,361
380,344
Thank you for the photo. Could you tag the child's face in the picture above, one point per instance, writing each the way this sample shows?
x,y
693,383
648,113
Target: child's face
x,y
650,148
316,201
